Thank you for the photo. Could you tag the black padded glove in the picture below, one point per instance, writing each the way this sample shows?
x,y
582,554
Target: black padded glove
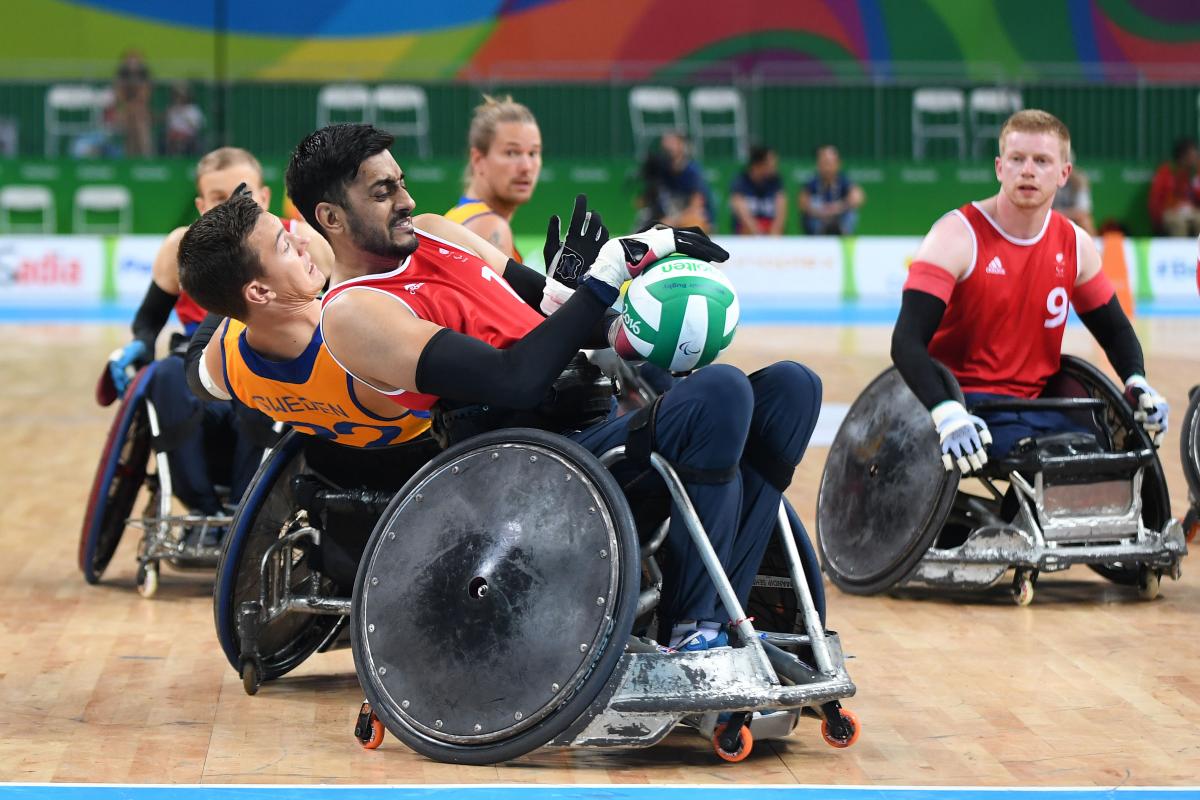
x,y
567,260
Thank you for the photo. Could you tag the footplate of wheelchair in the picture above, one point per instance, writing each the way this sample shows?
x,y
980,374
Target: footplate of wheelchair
x,y
652,692
990,551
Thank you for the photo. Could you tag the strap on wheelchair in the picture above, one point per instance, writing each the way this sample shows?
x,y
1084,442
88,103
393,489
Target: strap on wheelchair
x,y
766,462
580,397
171,436
639,443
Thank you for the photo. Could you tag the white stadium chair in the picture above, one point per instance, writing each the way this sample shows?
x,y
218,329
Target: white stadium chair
x,y
657,101
988,108
943,103
403,111
27,200
71,110
726,105
343,102
109,200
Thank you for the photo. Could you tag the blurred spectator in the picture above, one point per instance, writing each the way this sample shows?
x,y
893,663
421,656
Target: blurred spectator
x,y
131,90
756,197
829,202
183,122
675,191
1174,192
1074,200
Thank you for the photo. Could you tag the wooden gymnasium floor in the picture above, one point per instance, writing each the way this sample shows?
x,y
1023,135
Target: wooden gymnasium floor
x,y
1088,686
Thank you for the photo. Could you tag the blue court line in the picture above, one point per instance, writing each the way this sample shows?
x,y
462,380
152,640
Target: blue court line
x,y
577,792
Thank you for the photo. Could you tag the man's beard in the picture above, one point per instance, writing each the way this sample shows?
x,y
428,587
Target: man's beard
x,y
379,243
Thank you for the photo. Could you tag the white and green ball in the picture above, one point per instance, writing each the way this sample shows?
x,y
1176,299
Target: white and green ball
x,y
680,313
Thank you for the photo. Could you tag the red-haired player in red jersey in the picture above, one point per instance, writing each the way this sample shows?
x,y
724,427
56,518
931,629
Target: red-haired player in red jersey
x,y
988,296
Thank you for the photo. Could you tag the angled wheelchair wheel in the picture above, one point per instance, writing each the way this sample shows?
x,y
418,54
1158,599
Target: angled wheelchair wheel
x,y
884,493
119,477
286,642
1189,444
1126,434
772,600
495,597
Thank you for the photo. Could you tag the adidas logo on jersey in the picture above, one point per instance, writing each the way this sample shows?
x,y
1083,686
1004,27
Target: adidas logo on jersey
x,y
994,267
411,288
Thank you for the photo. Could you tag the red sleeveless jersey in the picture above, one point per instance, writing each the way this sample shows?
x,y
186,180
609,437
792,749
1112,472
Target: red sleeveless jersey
x,y
444,284
1003,328
188,310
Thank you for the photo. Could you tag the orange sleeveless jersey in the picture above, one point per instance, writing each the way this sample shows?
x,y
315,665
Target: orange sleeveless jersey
x,y
311,393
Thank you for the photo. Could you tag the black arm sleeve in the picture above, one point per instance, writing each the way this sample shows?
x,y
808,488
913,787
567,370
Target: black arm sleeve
x,y
1112,330
920,315
467,370
529,284
195,352
152,315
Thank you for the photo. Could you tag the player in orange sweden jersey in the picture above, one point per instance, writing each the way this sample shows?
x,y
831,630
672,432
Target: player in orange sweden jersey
x,y
270,353
988,296
423,320
217,174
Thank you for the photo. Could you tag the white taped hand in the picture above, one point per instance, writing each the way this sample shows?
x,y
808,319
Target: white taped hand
x,y
554,295
963,437
1150,409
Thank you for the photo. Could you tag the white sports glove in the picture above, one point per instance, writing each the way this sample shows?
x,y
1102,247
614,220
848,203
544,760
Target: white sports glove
x,y
964,437
625,257
1150,408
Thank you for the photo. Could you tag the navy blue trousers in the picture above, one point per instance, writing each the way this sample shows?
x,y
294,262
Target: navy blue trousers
x,y
1009,427
704,422
216,451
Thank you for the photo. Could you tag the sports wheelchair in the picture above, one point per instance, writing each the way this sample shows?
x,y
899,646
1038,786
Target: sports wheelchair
x,y
1189,456
888,513
499,602
135,456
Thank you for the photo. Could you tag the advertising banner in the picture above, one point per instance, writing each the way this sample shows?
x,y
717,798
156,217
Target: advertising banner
x,y
51,269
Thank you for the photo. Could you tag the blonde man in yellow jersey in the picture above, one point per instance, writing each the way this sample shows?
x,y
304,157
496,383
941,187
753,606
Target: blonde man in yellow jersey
x,y
505,152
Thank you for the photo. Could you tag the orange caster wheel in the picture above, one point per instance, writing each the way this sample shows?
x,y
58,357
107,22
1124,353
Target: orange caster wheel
x,y
740,749
844,730
368,729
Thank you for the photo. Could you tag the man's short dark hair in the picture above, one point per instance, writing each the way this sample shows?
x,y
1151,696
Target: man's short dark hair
x,y
758,154
327,161
216,260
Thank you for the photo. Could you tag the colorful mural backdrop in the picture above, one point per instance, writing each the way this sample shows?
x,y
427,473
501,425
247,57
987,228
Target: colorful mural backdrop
x,y
598,39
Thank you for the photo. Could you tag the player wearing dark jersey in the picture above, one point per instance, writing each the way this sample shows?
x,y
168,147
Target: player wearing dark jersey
x,y
989,293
